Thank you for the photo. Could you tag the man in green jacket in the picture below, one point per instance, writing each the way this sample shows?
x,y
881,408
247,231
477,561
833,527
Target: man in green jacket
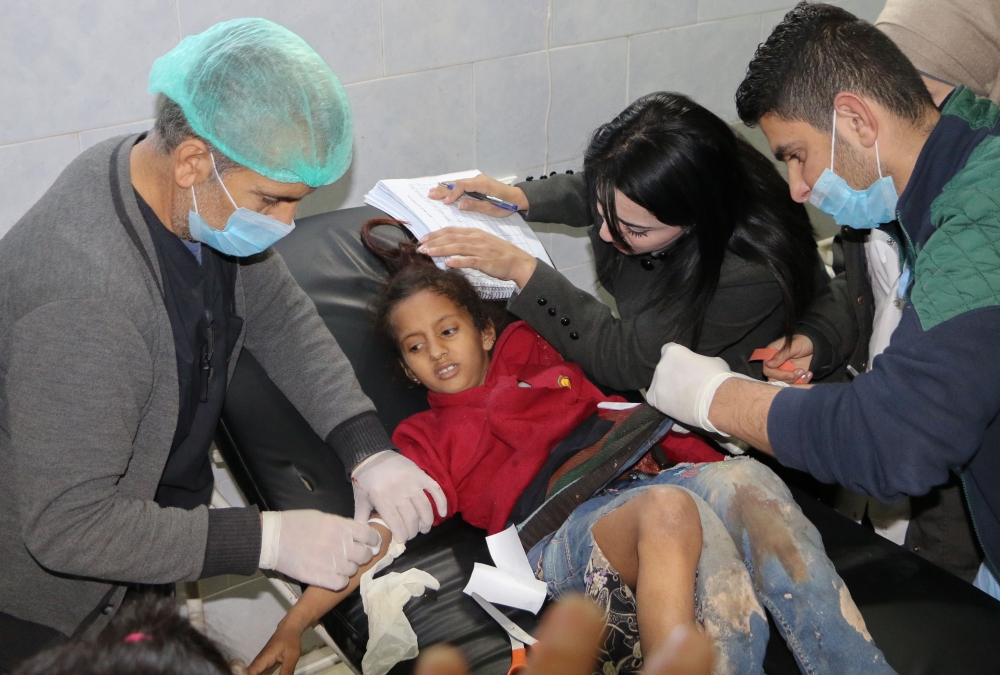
x,y
851,320
862,139
127,294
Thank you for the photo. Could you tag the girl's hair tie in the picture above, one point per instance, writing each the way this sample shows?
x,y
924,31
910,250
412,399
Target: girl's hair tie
x,y
132,638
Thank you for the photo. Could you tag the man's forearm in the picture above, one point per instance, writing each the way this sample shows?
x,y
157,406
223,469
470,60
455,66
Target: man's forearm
x,y
740,408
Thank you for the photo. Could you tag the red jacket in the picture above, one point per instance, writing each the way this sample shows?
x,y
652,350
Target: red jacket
x,y
486,444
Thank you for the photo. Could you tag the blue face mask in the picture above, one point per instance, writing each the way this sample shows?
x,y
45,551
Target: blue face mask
x,y
246,233
860,209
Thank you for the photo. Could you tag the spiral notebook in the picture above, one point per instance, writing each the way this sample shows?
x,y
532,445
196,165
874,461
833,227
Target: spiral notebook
x,y
406,199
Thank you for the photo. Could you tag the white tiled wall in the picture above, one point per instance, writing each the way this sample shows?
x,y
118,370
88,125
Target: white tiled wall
x,y
507,86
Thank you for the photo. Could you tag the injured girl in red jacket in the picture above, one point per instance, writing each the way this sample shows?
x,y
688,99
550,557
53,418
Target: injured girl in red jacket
x,y
485,445
654,548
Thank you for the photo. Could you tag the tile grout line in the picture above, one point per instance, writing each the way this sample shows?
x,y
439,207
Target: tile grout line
x,y
177,9
44,138
628,69
475,122
76,131
445,67
548,69
381,34
663,30
548,48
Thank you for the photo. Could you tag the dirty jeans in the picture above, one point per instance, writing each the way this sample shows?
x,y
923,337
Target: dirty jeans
x,y
769,549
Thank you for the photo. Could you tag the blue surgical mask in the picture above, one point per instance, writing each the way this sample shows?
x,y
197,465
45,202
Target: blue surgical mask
x,y
860,209
246,233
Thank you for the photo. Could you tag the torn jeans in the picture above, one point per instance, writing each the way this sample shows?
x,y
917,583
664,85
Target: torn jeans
x,y
769,546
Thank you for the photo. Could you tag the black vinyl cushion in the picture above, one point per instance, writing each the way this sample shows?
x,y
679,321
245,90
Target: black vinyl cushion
x,y
924,619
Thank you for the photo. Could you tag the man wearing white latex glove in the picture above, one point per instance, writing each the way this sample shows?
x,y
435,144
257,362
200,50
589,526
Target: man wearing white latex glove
x,y
315,548
685,383
397,489
929,405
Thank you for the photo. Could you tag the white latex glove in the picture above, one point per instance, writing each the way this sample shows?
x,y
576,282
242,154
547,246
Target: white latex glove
x,y
394,486
685,383
316,548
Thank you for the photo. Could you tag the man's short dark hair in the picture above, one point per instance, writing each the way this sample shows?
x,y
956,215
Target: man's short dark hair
x,y
172,128
818,51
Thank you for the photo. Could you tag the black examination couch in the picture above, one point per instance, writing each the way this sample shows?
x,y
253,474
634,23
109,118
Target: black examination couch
x,y
924,619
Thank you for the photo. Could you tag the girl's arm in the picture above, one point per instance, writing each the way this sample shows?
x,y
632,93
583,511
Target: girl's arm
x,y
285,646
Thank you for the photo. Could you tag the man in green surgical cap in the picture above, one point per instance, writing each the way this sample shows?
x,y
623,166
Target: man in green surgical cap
x,y
126,296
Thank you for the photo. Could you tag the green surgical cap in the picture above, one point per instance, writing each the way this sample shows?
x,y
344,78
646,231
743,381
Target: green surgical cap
x,y
262,96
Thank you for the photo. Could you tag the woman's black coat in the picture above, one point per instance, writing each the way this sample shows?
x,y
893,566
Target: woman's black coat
x,y
621,353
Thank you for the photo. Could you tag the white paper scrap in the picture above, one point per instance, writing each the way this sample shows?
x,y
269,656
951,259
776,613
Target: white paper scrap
x,y
511,582
614,405
508,554
503,588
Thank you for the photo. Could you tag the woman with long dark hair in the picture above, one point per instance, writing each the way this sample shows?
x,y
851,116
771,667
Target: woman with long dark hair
x,y
694,234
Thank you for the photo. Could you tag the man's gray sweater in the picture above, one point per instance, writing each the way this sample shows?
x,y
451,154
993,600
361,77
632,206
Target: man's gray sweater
x,y
89,401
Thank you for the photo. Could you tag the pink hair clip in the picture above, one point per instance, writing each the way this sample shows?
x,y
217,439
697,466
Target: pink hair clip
x,y
132,638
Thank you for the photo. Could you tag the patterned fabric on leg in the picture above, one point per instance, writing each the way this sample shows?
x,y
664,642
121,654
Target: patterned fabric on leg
x,y
620,654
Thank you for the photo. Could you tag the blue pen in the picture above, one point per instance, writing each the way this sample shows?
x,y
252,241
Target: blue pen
x,y
495,201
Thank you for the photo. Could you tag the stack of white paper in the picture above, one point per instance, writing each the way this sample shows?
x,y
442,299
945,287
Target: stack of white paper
x,y
511,582
406,199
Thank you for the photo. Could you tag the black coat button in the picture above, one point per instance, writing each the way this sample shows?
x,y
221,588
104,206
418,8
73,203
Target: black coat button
x,y
552,311
108,610
564,321
861,299
541,302
647,264
574,336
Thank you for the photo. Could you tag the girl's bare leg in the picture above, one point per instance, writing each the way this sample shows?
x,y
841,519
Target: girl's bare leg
x,y
654,542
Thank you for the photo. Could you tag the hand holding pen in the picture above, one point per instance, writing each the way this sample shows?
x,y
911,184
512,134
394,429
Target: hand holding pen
x,y
483,194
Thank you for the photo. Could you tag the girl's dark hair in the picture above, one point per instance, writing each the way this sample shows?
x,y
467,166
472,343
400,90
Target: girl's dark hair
x,y
411,272
688,168
166,644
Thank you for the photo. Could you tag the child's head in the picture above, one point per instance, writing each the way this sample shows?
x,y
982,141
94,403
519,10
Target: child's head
x,y
147,637
442,328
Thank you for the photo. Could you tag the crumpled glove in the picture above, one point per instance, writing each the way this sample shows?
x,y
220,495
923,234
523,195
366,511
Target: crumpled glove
x,y
390,637
685,383
394,486
316,548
